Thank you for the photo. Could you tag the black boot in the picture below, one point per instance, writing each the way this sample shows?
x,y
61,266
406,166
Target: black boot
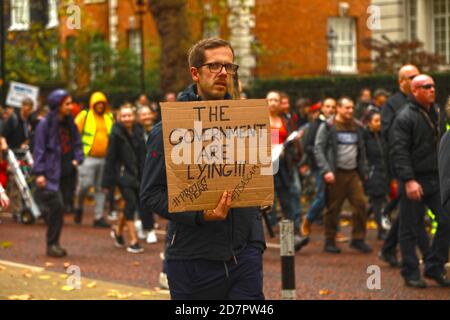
x,y
56,251
440,279
360,245
300,242
330,246
78,216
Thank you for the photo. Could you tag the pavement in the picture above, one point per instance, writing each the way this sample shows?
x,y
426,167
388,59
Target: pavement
x,y
108,272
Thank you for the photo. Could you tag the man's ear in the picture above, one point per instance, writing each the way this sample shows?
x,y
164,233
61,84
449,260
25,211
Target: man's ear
x,y
195,74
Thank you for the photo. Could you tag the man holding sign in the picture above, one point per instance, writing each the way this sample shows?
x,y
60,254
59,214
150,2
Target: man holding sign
x,y
211,254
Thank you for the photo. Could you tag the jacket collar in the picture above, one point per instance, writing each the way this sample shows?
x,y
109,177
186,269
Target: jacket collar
x,y
190,94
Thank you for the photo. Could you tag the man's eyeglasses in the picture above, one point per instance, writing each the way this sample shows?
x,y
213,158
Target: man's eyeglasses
x,y
427,86
216,67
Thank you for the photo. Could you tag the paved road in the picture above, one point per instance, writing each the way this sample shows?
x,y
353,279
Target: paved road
x,y
318,275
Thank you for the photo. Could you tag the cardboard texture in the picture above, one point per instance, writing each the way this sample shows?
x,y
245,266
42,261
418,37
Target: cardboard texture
x,y
214,146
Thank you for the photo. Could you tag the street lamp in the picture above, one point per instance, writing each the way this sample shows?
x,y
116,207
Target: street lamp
x,y
332,38
140,11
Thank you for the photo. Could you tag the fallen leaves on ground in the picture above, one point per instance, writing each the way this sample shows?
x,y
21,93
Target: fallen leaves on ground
x,y
21,297
91,285
66,265
2,268
324,292
344,223
49,264
146,293
64,276
67,288
44,277
116,294
6,244
27,274
136,264
371,225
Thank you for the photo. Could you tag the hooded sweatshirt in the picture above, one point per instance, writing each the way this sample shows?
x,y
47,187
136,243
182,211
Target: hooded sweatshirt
x,y
102,130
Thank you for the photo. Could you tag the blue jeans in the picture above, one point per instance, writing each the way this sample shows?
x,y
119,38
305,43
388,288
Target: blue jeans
x,y
289,198
319,203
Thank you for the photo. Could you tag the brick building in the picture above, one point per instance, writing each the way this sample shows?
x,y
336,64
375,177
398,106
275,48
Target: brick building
x,y
272,38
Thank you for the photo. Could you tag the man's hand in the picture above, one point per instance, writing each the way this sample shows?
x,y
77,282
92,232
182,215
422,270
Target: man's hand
x,y
221,211
329,177
41,182
75,163
414,190
4,200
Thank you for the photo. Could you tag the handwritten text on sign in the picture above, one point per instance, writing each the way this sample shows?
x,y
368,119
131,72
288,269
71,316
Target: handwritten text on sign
x,y
213,146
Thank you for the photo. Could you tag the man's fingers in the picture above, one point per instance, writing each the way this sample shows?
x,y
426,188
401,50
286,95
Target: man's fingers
x,y
229,199
223,200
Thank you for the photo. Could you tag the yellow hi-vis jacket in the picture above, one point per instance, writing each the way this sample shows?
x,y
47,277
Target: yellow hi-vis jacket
x,y
86,122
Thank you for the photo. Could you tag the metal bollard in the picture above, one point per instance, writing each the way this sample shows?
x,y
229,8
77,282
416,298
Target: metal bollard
x,y
287,253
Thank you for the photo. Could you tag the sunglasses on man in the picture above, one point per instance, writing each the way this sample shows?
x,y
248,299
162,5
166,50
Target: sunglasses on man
x,y
427,86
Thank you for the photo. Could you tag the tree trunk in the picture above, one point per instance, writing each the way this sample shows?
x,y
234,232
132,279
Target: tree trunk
x,y
171,20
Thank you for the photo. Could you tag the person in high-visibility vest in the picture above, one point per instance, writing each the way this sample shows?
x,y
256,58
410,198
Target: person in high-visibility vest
x,y
95,127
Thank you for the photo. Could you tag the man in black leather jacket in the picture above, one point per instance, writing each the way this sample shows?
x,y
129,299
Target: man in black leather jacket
x,y
414,153
212,254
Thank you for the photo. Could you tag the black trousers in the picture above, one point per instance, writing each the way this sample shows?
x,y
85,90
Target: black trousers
x,y
217,280
51,205
68,185
412,225
391,242
131,198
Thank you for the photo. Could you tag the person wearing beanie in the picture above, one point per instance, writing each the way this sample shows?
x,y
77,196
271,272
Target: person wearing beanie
x,y
57,152
94,126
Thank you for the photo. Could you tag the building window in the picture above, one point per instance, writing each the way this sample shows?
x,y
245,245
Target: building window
x,y
441,28
411,19
52,14
134,41
20,15
97,65
342,45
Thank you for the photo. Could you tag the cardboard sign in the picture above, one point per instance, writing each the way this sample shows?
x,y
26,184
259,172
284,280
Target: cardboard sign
x,y
216,146
19,91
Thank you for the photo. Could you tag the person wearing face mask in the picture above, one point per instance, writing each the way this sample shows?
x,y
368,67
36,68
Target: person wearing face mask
x,y
377,184
57,151
123,168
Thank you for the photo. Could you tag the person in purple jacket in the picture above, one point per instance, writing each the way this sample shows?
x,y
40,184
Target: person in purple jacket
x,y
57,152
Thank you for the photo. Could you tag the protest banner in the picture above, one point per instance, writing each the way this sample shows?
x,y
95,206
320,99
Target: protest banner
x,y
19,91
216,146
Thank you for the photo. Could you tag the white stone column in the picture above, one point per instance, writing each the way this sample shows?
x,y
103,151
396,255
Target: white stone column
x,y
113,22
240,22
424,23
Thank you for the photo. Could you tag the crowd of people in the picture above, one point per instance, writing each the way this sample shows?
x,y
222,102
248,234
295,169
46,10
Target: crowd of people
x,y
377,152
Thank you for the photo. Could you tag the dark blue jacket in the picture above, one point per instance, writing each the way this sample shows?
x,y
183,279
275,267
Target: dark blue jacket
x,y
47,149
191,237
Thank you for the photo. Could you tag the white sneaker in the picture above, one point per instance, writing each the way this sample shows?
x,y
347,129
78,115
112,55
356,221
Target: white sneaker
x,y
151,237
163,282
141,234
113,216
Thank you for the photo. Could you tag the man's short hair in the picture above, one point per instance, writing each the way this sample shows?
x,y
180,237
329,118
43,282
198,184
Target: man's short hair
x,y
197,52
27,102
380,92
341,101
